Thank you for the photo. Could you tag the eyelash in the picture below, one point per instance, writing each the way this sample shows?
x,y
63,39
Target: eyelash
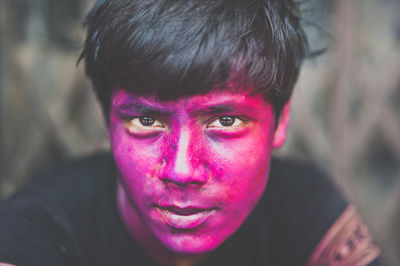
x,y
130,124
235,118
129,119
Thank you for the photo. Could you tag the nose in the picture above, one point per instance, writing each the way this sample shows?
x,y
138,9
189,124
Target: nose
x,y
182,163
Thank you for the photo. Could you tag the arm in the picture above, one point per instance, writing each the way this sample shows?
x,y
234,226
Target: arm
x,y
347,242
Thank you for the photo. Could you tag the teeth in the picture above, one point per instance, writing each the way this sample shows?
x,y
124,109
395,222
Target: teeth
x,y
187,213
187,217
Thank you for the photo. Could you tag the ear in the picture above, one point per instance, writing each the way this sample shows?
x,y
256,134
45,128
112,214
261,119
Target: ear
x,y
281,129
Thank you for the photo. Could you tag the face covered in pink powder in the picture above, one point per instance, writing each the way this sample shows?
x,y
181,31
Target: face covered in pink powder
x,y
191,170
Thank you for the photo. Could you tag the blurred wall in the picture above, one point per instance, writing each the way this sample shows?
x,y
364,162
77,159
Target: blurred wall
x,y
346,105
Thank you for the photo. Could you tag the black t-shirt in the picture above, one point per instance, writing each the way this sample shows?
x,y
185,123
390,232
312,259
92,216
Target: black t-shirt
x,y
70,217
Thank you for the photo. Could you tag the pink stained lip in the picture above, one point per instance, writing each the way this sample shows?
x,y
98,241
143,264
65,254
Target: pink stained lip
x,y
184,218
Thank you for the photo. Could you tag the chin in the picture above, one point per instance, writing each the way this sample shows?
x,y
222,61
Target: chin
x,y
191,244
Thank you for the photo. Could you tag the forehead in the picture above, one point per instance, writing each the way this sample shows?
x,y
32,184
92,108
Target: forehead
x,y
228,99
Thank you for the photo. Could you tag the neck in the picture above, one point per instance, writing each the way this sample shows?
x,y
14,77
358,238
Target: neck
x,y
146,239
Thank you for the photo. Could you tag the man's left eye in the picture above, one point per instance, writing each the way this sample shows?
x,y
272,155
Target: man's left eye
x,y
225,121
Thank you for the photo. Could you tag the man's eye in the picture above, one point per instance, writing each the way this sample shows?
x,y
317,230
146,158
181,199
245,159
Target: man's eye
x,y
143,123
225,121
146,121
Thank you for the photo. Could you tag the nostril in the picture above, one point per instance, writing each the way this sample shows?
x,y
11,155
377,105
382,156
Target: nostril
x,y
177,183
182,183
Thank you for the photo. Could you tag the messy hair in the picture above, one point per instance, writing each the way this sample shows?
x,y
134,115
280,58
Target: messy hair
x,y
175,48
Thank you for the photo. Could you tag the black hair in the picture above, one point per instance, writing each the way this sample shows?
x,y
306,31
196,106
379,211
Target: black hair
x,y
175,48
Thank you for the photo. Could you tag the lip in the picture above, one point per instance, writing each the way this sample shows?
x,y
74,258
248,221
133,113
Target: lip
x,y
184,218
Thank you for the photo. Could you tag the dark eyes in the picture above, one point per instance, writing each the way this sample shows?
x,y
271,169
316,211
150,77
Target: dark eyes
x,y
225,122
146,121
143,124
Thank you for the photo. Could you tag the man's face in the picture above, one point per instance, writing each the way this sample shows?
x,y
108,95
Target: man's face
x,y
192,169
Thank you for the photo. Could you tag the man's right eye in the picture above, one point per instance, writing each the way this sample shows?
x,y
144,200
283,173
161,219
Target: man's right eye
x,y
146,121
143,124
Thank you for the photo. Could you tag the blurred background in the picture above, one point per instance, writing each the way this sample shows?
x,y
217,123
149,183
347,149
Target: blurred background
x,y
346,107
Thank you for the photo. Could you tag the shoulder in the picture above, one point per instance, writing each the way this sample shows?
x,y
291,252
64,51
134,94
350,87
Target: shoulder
x,y
66,179
304,175
36,221
304,189
315,219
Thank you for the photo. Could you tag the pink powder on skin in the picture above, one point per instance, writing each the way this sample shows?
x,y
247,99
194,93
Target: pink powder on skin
x,y
187,182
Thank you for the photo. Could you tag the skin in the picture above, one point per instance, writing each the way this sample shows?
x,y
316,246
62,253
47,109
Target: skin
x,y
207,155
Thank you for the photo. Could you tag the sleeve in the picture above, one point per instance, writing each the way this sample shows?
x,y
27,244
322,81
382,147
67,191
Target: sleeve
x,y
347,242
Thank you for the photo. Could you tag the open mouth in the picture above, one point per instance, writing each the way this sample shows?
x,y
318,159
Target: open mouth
x,y
184,218
184,211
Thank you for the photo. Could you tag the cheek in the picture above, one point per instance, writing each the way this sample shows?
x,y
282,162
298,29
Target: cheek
x,y
242,165
134,158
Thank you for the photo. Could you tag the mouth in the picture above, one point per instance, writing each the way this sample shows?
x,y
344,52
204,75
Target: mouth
x,y
184,218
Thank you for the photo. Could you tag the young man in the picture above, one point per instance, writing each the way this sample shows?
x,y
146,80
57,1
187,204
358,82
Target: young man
x,y
196,95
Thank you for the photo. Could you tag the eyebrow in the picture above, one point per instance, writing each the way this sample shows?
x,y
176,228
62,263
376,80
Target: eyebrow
x,y
148,109
215,109
143,109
